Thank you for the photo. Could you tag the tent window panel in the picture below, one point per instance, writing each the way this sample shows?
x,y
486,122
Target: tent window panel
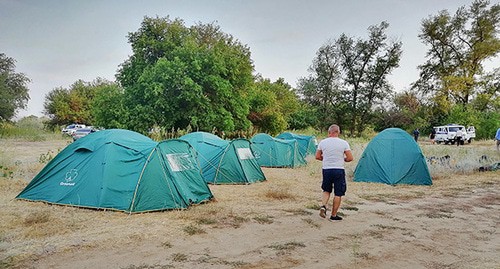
x,y
180,162
245,153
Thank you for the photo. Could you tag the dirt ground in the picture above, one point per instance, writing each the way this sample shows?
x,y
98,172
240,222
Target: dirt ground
x,y
273,224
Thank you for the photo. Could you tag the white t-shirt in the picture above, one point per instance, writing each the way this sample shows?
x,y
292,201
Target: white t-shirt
x,y
333,149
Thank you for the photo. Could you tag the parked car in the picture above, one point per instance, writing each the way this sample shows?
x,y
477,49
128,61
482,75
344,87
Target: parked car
x,y
79,133
70,129
446,134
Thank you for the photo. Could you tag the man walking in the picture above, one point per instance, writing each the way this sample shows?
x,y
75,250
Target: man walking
x,y
333,152
416,133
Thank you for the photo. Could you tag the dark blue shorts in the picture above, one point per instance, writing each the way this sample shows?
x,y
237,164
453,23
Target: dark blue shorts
x,y
334,179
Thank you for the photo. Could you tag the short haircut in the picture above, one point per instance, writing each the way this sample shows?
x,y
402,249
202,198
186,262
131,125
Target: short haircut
x,y
334,128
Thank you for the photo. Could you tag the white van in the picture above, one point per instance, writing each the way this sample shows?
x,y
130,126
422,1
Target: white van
x,y
446,134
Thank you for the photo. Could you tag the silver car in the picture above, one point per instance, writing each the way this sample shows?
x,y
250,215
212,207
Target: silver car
x,y
81,133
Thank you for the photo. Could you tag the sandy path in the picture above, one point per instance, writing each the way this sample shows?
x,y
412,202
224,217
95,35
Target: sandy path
x,y
433,232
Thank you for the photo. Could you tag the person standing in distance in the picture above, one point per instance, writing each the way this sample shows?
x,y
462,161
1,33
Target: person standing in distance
x,y
497,138
458,136
433,136
333,152
416,133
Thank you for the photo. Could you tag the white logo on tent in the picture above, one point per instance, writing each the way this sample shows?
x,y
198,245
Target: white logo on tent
x,y
245,153
70,176
180,162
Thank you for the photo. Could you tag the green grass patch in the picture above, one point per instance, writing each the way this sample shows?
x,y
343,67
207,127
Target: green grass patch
x,y
311,222
298,212
166,244
148,266
387,227
351,208
264,219
214,260
179,257
206,221
287,246
313,206
437,215
193,229
333,238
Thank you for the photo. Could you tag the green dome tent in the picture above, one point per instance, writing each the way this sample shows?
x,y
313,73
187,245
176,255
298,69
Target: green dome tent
x,y
275,152
307,143
393,157
121,170
223,161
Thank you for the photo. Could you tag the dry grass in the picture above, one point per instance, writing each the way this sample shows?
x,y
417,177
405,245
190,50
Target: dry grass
x,y
264,219
279,195
311,223
30,230
286,246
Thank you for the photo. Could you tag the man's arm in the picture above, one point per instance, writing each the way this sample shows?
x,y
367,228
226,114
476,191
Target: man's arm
x,y
348,156
319,155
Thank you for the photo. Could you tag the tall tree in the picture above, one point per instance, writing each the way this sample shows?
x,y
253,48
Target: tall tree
x,y
72,105
272,105
349,76
458,47
322,89
182,76
13,88
108,108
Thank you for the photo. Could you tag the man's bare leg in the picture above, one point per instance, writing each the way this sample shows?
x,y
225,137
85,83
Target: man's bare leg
x,y
324,199
336,204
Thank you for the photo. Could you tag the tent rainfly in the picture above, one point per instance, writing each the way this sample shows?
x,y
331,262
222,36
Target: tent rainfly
x,y
307,143
393,157
275,152
121,170
223,161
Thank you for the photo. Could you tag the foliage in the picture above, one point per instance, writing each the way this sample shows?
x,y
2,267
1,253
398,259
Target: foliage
x,y
108,108
458,47
488,99
46,157
487,124
13,88
306,116
29,128
453,87
182,76
272,105
31,122
349,78
73,105
410,112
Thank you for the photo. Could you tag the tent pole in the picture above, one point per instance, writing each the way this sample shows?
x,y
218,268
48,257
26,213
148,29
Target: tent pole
x,y
139,180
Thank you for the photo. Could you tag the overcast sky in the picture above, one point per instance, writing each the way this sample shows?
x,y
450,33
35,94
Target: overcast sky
x,y
55,43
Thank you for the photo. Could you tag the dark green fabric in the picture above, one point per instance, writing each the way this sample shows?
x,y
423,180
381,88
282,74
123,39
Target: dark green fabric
x,y
249,166
307,143
116,169
393,157
275,152
221,160
175,178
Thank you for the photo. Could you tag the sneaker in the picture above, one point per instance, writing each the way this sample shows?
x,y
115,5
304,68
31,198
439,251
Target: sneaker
x,y
322,211
335,218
